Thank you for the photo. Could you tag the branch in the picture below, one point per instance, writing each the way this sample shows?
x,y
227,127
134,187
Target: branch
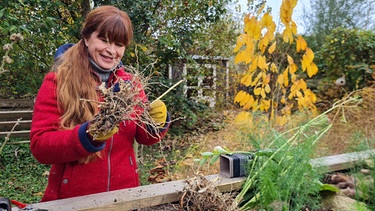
x,y
6,139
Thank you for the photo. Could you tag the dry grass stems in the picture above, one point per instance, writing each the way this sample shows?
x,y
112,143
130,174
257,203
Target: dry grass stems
x,y
348,123
200,193
122,103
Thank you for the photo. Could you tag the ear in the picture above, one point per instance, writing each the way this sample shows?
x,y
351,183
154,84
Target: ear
x,y
84,40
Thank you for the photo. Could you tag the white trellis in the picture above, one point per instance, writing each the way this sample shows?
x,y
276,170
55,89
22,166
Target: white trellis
x,y
200,79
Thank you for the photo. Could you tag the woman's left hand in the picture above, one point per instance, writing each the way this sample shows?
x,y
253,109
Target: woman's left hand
x,y
158,112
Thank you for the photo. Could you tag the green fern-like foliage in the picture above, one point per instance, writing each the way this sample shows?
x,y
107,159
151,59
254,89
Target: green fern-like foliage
x,y
287,180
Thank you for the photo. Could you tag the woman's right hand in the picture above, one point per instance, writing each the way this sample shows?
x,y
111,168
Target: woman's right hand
x,y
104,136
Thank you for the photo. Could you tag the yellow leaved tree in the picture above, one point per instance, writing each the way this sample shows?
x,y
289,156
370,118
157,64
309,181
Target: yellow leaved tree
x,y
271,79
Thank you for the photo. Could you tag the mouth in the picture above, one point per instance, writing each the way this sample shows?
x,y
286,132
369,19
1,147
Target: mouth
x,y
108,58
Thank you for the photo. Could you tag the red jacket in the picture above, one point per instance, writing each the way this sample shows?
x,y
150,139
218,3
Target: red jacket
x,y
117,169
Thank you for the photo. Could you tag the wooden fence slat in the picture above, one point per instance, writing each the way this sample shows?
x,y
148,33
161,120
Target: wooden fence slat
x,y
9,118
22,125
14,115
16,104
14,122
15,112
19,134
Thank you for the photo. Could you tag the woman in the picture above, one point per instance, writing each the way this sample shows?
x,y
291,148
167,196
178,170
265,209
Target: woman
x,y
61,117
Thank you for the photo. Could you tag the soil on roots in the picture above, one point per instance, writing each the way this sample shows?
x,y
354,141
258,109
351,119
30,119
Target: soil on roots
x,y
202,194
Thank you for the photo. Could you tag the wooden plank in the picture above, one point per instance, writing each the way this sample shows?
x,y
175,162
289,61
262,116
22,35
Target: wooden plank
x,y
152,195
14,115
8,125
14,104
14,122
15,112
18,134
134,198
342,161
18,111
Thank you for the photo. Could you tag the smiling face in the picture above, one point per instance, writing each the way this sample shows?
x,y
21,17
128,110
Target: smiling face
x,y
105,53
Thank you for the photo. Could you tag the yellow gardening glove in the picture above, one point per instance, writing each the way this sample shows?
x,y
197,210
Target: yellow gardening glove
x,y
158,112
103,137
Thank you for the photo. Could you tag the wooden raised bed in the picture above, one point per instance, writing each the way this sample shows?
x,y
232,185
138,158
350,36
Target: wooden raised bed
x,y
163,193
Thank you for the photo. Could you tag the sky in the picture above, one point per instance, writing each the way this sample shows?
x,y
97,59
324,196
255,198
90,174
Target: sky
x,y
275,5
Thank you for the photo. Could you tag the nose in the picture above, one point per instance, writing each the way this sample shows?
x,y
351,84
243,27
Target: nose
x,y
111,48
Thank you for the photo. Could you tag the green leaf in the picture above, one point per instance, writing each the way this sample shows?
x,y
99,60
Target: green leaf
x,y
214,158
265,152
25,29
12,28
207,154
329,187
220,150
203,161
2,12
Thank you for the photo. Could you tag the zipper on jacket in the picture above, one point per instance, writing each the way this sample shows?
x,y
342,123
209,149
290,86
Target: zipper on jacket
x,y
131,160
109,165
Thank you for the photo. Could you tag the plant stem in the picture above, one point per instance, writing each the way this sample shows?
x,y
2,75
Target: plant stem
x,y
166,92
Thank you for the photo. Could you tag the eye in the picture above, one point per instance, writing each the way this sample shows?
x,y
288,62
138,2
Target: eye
x,y
104,40
120,44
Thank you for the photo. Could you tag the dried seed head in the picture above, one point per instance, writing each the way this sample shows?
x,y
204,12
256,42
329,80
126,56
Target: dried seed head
x,y
7,47
7,59
16,37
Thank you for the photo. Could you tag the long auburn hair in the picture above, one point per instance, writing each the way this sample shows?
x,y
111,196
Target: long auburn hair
x,y
76,85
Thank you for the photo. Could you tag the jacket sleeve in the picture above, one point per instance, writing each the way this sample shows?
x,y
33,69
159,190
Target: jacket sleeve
x,y
147,135
48,142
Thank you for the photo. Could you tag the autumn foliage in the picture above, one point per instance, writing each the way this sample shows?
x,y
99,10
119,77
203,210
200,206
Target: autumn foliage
x,y
272,78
